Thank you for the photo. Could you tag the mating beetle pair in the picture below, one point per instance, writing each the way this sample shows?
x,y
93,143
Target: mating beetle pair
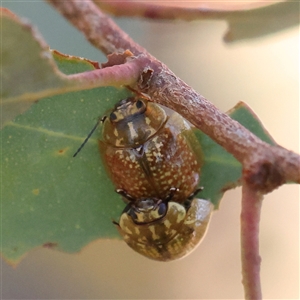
x,y
154,161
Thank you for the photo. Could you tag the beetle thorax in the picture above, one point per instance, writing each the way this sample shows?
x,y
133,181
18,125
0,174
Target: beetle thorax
x,y
148,210
132,122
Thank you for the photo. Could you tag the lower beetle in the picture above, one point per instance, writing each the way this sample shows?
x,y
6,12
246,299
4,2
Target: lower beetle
x,y
162,229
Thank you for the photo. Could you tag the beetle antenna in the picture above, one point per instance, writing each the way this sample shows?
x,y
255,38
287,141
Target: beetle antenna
x,y
89,135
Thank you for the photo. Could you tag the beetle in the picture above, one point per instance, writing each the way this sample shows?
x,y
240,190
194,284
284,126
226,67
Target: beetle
x,y
148,149
162,229
154,159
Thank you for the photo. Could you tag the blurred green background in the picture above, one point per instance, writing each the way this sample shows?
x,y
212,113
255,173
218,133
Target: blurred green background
x,y
264,73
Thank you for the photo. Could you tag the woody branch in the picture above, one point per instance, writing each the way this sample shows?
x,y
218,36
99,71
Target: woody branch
x,y
265,167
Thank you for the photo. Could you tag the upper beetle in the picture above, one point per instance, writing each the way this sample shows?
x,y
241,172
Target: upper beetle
x,y
148,149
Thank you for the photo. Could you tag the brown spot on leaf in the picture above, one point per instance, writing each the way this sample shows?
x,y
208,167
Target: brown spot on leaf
x,y
50,245
62,151
60,55
6,12
35,191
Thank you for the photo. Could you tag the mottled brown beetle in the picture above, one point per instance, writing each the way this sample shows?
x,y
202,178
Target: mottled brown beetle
x,y
148,149
164,230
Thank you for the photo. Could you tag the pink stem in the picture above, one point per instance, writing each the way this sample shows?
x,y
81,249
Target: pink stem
x,y
250,216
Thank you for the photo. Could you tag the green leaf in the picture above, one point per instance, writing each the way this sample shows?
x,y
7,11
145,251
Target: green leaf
x,y
27,66
28,70
50,198
256,23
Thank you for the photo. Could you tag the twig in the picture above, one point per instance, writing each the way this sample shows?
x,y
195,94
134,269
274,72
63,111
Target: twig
x,y
124,74
266,167
250,215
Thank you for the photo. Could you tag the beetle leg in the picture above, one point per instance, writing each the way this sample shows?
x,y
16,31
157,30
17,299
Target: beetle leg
x,y
115,223
191,196
188,201
171,194
125,195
